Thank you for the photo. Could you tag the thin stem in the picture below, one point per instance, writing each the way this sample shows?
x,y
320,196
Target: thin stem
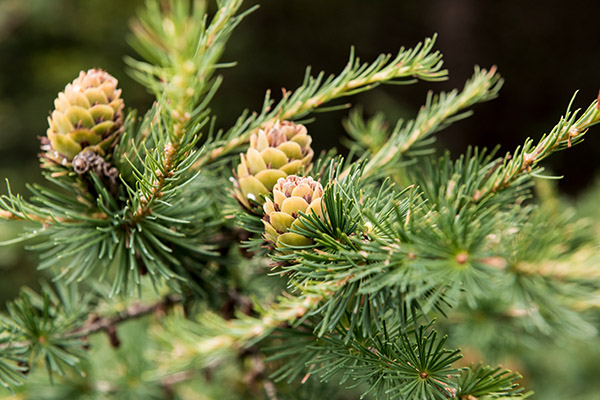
x,y
415,63
109,323
136,310
567,131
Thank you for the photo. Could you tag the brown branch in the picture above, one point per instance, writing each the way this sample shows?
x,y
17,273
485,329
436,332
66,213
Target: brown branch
x,y
44,220
108,324
134,311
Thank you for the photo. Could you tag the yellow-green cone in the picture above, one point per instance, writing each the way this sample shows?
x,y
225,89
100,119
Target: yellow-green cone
x,y
291,196
88,113
277,151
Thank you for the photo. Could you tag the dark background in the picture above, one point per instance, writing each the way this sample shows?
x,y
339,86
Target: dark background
x,y
545,50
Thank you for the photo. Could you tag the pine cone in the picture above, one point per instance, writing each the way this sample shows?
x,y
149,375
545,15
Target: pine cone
x,y
89,112
291,196
277,151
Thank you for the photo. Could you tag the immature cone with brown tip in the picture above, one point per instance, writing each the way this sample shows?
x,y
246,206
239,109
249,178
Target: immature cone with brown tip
x,y
275,152
87,114
291,196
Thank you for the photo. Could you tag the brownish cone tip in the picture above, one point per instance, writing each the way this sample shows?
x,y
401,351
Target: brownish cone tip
x,y
291,196
88,114
279,150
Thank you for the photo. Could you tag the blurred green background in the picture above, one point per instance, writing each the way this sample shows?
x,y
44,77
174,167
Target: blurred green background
x,y
544,49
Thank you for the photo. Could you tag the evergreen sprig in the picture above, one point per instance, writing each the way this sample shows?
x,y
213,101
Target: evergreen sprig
x,y
481,382
12,359
569,131
415,366
37,328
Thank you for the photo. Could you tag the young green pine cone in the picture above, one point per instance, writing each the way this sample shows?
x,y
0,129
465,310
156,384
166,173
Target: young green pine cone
x,y
89,112
275,152
291,196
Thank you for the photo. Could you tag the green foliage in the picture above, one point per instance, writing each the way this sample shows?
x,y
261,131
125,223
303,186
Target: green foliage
x,y
12,356
42,328
488,383
406,238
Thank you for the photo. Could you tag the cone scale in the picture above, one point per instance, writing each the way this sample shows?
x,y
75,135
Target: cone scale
x,y
291,196
279,150
88,114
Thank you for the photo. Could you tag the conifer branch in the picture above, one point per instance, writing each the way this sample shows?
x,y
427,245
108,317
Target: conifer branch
x,y
420,62
212,334
183,50
569,131
14,207
438,112
20,216
96,323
